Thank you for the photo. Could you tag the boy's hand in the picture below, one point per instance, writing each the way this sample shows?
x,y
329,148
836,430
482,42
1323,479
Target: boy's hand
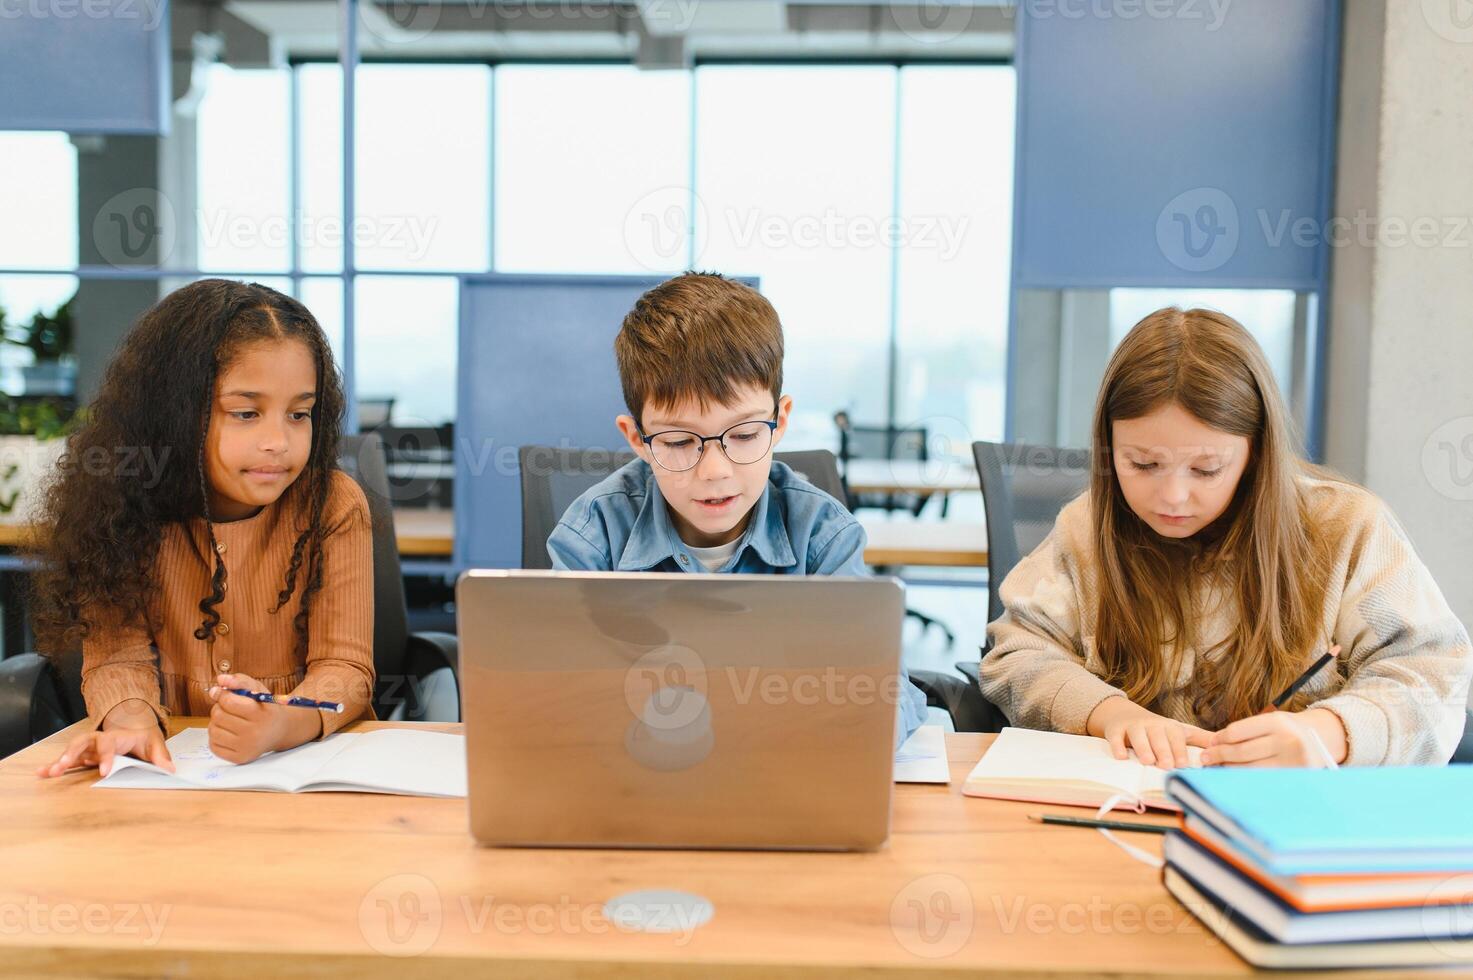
x,y
1156,740
242,730
129,729
1279,738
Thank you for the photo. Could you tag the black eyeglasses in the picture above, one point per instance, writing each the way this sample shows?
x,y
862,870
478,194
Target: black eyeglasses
x,y
677,450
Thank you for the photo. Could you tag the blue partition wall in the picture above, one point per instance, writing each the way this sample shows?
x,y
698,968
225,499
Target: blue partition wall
x,y
100,66
1177,148
1186,144
536,368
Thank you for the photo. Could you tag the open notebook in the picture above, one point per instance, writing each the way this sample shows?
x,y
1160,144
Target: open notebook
x,y
1071,770
389,760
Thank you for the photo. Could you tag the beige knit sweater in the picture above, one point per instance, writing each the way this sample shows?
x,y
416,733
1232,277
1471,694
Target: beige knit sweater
x,y
1400,684
170,670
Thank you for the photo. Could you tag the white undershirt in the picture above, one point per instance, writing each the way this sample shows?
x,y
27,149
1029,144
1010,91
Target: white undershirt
x,y
714,558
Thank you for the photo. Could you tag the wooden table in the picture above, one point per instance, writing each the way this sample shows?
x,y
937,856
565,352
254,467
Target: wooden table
x,y
430,534
956,544
214,884
911,476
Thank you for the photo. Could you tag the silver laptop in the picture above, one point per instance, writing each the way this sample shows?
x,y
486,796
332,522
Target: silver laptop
x,y
674,710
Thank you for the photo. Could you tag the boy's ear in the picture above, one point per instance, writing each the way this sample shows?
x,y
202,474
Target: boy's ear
x,y
784,409
630,430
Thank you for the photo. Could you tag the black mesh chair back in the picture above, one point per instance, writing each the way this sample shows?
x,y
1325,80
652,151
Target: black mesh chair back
x,y
1023,489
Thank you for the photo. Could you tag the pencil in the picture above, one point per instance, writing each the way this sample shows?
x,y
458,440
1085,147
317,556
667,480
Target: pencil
x,y
1144,828
1314,668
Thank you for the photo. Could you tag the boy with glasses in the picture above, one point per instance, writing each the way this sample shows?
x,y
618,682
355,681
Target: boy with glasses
x,y
701,364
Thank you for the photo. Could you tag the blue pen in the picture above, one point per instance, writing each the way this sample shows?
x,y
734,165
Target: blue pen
x,y
293,702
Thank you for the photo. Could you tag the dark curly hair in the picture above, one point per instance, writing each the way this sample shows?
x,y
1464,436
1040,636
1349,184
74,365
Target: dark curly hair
x,y
102,525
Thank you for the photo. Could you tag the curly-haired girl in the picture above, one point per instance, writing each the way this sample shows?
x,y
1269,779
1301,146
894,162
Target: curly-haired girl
x,y
244,561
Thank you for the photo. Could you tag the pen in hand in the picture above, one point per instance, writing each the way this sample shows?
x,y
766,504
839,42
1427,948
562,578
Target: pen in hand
x,y
290,702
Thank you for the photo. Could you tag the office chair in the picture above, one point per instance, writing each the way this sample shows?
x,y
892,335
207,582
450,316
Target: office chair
x,y
416,672
884,442
888,442
1023,490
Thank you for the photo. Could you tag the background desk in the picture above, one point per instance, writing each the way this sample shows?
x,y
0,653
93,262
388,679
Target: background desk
x,y
266,884
429,534
911,476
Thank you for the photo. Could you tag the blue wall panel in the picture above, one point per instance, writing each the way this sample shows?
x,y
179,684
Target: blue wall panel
x,y
1176,146
85,66
536,368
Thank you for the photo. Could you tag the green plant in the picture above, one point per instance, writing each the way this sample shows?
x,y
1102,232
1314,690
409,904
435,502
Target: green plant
x,y
45,419
48,337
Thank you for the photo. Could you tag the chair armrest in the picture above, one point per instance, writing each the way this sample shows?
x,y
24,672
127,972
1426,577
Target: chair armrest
x,y
30,705
432,663
1464,751
960,698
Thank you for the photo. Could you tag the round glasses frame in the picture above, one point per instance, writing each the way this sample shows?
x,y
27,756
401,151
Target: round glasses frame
x,y
720,439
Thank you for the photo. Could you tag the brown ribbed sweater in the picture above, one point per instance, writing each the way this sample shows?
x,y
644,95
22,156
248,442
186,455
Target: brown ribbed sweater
x,y
169,669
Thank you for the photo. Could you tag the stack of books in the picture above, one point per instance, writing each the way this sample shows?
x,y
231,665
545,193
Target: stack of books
x,y
1326,868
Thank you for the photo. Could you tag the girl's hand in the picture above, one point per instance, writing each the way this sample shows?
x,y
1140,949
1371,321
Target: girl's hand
x,y
242,730
1279,738
1157,740
99,748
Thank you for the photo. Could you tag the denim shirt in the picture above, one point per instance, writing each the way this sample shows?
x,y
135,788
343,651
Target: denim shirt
x,y
623,524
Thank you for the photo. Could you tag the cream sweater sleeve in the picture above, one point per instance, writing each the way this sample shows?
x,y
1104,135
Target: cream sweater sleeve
x,y
1405,656
1035,666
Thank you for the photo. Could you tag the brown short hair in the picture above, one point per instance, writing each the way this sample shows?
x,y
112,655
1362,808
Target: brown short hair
x,y
698,336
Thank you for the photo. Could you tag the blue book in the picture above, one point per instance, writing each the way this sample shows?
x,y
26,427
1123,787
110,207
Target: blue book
x,y
1396,819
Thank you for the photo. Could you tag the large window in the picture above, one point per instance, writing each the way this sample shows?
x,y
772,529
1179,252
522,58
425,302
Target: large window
x,y
795,179
874,212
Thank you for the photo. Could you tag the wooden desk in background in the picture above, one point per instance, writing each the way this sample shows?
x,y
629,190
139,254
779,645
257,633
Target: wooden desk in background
x,y
430,534
212,884
911,476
